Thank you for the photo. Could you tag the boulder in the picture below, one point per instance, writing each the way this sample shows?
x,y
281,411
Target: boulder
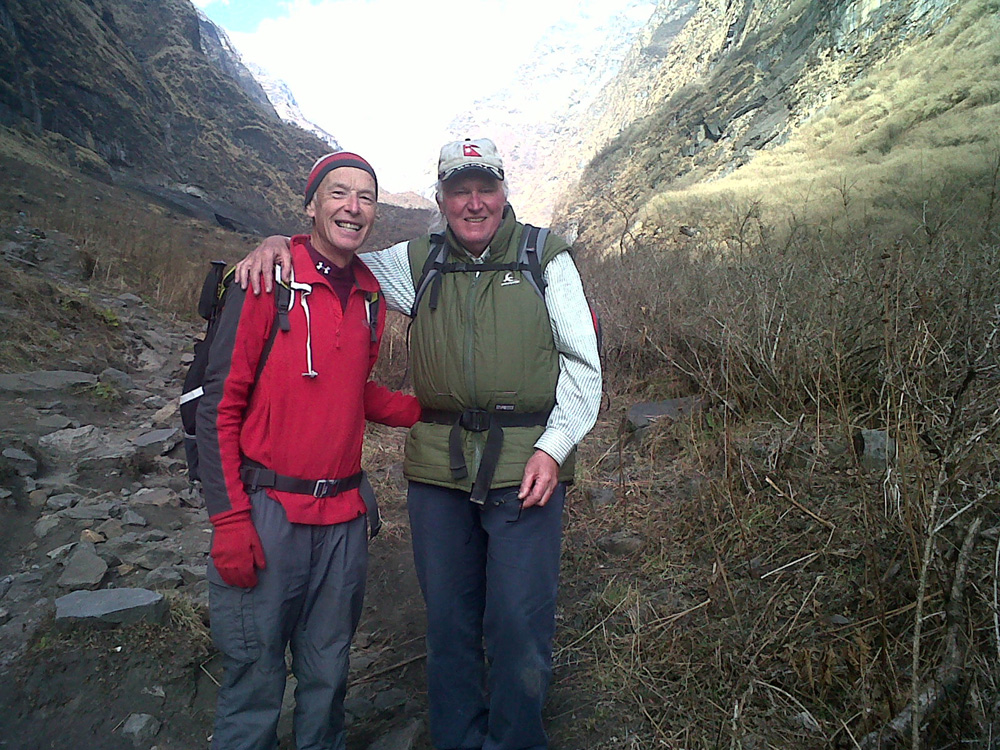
x,y
110,606
73,439
84,569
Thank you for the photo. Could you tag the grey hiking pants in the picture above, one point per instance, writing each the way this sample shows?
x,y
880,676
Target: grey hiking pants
x,y
309,597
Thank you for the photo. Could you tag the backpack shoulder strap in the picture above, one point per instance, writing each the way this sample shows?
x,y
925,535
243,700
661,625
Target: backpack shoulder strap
x,y
435,258
372,302
533,238
284,298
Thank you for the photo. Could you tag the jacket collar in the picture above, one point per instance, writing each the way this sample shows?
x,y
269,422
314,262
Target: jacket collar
x,y
306,273
498,245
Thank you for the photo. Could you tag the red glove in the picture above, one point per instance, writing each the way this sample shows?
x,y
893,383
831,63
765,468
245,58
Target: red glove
x,y
236,548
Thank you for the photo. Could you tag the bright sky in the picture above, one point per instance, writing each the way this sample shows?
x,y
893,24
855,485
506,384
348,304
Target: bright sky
x,y
385,77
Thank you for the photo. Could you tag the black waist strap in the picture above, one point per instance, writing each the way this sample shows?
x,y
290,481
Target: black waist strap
x,y
480,420
256,476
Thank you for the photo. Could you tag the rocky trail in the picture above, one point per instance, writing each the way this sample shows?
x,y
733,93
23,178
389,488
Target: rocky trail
x,y
103,597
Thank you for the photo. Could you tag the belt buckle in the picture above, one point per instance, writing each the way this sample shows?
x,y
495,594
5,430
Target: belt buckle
x,y
324,488
476,420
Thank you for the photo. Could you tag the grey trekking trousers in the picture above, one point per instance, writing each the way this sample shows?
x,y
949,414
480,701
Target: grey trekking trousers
x,y
308,596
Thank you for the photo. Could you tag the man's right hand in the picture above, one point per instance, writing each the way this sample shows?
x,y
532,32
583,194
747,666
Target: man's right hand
x,y
259,264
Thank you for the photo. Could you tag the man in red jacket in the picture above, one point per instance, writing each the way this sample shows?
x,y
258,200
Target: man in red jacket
x,y
281,468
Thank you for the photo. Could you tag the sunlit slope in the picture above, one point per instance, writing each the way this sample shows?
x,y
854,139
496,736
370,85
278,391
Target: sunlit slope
x,y
921,122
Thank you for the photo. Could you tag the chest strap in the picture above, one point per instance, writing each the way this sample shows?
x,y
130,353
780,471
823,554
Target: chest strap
x,y
480,420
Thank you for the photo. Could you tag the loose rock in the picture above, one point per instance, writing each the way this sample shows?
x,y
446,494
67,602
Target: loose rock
x,y
111,606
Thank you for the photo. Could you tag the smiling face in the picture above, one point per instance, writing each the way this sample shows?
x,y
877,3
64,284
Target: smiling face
x,y
472,202
343,213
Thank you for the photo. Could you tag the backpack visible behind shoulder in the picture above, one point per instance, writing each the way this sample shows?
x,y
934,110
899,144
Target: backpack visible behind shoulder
x,y
211,302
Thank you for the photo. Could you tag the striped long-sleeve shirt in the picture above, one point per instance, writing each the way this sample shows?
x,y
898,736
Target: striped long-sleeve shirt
x,y
578,388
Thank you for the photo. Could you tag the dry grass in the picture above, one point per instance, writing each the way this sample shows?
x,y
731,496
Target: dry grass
x,y
788,596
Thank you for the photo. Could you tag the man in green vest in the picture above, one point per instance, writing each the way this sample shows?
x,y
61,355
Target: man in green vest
x,y
508,376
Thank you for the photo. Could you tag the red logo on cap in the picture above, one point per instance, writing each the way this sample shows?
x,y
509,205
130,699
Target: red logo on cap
x,y
469,149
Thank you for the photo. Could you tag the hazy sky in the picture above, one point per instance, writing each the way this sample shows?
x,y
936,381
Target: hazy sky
x,y
385,77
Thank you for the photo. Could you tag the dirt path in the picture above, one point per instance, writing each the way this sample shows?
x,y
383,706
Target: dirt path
x,y
93,470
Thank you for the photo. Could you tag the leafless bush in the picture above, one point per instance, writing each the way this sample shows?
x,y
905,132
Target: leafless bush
x,y
797,598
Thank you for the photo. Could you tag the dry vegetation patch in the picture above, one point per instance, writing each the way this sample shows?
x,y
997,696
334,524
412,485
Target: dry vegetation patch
x,y
790,593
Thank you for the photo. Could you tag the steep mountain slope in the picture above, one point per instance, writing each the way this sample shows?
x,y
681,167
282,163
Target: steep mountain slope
x,y
135,93
281,98
703,96
536,120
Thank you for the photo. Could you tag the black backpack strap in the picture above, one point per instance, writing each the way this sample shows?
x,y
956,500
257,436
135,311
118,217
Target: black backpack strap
x,y
282,305
532,239
373,300
430,272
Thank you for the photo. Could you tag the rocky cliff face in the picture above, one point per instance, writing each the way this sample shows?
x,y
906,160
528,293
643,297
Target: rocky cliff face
x,y
143,93
709,84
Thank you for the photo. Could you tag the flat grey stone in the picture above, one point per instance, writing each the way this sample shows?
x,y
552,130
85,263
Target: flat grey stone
x,y
116,378
163,579
111,606
158,441
61,551
53,422
84,569
73,439
44,525
192,573
112,528
644,414
874,448
130,300
154,402
62,501
399,739
44,380
150,361
110,460
131,518
157,557
93,512
157,496
22,462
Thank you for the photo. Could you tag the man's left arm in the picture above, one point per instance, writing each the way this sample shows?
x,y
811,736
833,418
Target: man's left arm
x,y
578,388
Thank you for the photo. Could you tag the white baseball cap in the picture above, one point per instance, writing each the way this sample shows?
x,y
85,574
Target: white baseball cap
x,y
459,156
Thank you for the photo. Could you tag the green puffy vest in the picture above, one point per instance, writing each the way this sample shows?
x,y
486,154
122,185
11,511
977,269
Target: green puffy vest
x,y
487,344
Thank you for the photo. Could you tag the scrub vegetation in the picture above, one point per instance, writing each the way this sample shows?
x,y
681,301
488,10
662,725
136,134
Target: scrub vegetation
x,y
791,591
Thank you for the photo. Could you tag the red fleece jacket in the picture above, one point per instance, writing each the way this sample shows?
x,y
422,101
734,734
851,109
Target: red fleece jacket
x,y
308,427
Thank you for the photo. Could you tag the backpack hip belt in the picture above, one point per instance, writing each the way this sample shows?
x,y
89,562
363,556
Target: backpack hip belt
x,y
256,476
480,420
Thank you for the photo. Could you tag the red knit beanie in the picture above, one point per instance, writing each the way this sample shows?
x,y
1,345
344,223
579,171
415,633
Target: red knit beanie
x,y
330,162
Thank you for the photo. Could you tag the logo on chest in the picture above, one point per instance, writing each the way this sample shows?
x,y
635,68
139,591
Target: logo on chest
x,y
509,279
